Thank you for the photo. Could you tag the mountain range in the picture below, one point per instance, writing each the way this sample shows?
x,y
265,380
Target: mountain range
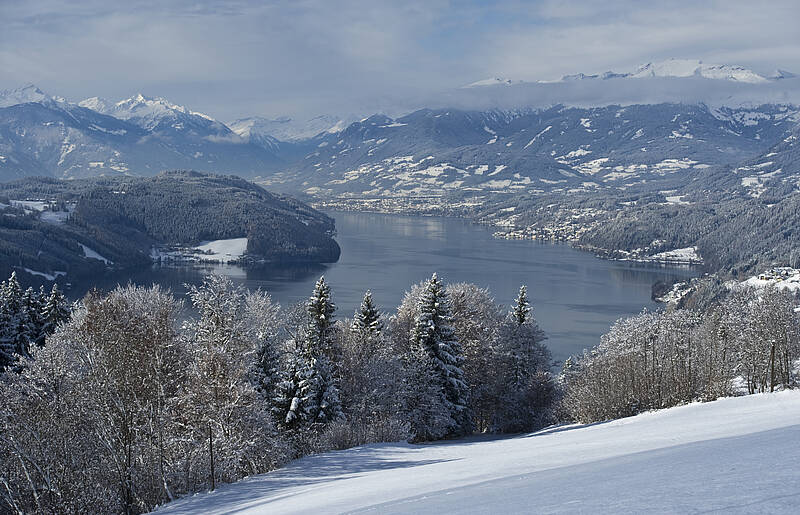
x,y
44,135
674,68
528,147
434,152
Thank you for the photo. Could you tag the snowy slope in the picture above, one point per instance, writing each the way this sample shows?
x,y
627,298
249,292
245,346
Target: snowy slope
x,y
24,95
435,152
732,455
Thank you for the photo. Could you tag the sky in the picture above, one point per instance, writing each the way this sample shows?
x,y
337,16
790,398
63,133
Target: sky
x,y
306,57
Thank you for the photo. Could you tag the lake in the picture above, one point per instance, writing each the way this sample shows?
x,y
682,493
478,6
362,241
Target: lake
x,y
575,296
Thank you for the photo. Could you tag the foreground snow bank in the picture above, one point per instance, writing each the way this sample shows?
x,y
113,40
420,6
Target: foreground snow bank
x,y
733,455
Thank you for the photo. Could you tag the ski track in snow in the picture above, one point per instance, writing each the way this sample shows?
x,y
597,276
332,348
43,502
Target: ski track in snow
x,y
734,455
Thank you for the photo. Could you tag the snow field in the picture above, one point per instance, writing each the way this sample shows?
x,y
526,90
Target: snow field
x,y
735,455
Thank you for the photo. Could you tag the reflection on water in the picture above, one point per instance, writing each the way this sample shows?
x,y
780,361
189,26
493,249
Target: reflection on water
x,y
576,296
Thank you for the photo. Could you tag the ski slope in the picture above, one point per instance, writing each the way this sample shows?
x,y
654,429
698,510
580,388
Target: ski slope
x,y
734,455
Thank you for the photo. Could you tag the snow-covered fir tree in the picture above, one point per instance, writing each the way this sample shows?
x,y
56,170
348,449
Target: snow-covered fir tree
x,y
11,343
526,387
437,346
263,323
522,307
367,317
308,394
370,379
523,341
30,327
26,319
55,310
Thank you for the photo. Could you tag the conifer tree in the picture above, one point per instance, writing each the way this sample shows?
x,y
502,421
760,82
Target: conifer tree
x,y
308,394
320,311
367,318
12,322
286,402
435,341
30,323
525,379
54,312
522,306
523,341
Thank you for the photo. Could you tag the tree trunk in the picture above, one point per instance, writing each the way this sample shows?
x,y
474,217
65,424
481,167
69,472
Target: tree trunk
x,y
211,452
772,367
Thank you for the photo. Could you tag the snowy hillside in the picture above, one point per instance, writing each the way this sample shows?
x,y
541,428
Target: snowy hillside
x,y
433,152
724,455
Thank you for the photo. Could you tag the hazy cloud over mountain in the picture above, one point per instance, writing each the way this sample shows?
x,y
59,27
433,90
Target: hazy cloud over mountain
x,y
239,58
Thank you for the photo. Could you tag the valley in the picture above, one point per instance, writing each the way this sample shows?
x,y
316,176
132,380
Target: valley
x,y
399,257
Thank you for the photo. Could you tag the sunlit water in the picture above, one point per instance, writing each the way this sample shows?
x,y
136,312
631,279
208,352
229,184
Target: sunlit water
x,y
575,296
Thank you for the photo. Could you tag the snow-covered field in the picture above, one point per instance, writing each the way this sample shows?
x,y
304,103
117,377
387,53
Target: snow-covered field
x,y
685,255
217,251
224,250
735,455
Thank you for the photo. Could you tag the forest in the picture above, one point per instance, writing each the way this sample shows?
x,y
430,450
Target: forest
x,y
121,218
129,401
736,234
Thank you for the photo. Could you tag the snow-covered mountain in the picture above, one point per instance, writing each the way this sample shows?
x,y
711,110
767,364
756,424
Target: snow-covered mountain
x,y
723,452
694,67
25,94
45,135
685,81
678,68
436,152
674,68
782,74
526,148
153,113
284,128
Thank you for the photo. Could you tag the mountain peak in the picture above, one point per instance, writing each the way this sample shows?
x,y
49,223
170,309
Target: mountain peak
x,y
142,107
26,94
697,68
679,68
673,68
101,105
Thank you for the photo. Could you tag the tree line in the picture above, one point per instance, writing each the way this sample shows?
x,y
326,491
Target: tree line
x,y
129,404
126,407
749,342
27,317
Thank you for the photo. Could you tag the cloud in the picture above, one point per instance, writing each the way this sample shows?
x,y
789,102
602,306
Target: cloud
x,y
307,57
229,138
